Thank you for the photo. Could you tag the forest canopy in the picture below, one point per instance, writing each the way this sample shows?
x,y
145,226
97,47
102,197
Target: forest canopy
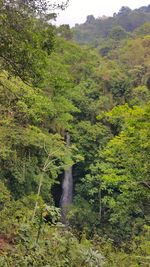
x,y
83,112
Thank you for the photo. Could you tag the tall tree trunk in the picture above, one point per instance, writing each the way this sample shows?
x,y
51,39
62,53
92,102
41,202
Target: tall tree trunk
x,y
67,188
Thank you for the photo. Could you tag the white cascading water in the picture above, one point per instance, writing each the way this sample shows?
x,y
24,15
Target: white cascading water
x,y
67,188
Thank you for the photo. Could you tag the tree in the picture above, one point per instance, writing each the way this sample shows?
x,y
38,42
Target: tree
x,y
90,19
118,33
124,10
65,31
125,171
26,38
143,29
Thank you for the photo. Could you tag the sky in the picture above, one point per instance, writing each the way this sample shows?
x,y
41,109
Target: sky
x,y
79,9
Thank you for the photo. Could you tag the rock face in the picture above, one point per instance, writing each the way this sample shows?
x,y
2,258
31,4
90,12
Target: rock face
x,y
67,188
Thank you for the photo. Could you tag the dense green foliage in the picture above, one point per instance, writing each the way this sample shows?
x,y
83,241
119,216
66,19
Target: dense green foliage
x,y
49,85
120,26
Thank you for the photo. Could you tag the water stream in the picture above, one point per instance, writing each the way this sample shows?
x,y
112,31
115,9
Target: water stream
x,y
67,188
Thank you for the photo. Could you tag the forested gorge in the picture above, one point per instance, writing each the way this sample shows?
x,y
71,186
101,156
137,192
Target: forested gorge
x,y
74,139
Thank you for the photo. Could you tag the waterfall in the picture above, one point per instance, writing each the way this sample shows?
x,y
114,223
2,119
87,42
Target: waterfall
x,y
67,188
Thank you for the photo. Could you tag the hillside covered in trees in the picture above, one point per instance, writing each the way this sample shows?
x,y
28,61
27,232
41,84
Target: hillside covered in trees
x,y
121,25
74,139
